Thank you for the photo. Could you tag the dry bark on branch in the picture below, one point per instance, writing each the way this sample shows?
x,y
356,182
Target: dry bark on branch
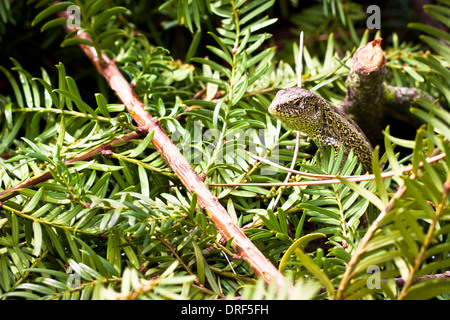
x,y
368,94
365,89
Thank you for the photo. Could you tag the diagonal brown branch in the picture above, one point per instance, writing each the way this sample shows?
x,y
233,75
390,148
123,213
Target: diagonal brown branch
x,y
165,146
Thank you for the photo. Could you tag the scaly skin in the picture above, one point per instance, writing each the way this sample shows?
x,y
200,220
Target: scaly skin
x,y
305,111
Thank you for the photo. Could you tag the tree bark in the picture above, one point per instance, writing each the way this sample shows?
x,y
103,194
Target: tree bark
x,y
364,98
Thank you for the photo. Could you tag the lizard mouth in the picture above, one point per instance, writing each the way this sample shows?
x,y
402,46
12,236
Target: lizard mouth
x,y
280,111
277,110
272,109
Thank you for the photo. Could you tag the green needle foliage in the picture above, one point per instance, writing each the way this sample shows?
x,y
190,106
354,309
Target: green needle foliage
x,y
120,225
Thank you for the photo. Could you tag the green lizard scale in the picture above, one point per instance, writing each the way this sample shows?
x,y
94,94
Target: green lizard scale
x,y
309,113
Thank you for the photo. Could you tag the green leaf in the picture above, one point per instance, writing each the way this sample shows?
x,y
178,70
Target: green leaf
x,y
211,279
76,41
442,113
142,145
25,78
243,43
34,201
274,223
186,14
378,180
221,54
15,229
55,273
413,74
193,205
260,24
161,108
419,197
143,179
224,53
216,115
309,264
214,65
54,8
240,90
200,263
22,294
113,251
435,65
329,52
54,241
72,245
92,7
439,47
61,136
431,30
428,289
438,12
435,122
103,17
258,10
49,91
9,138
8,116
83,106
376,259
101,103
14,85
62,85
282,221
93,255
193,46
364,193
400,142
129,252
78,165
109,35
260,71
37,238
298,243
53,23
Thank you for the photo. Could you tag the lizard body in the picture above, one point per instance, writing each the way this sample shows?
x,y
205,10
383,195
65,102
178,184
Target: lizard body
x,y
325,124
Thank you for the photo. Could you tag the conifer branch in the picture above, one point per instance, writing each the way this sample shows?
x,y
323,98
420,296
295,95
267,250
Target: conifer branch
x,y
12,192
165,146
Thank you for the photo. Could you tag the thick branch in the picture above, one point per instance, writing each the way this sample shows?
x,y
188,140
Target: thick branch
x,y
400,282
404,96
367,93
165,146
365,89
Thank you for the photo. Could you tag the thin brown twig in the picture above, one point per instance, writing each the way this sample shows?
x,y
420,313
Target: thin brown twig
x,y
400,282
331,178
46,175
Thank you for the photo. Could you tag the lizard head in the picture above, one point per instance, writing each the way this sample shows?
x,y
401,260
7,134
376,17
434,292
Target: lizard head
x,y
298,108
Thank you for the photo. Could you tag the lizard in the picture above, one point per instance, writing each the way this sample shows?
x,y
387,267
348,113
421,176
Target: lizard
x,y
321,121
